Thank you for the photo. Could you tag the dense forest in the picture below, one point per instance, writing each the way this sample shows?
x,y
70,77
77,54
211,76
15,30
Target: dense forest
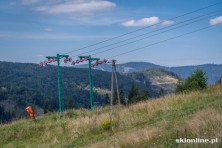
x,y
23,84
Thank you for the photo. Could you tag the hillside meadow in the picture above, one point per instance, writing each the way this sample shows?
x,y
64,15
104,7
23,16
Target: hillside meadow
x,y
152,123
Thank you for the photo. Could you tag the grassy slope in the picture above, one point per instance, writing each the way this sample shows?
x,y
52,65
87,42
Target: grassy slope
x,y
153,123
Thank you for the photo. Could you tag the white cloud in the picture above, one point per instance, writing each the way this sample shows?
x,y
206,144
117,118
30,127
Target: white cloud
x,y
142,22
39,55
216,21
28,2
167,23
79,7
48,29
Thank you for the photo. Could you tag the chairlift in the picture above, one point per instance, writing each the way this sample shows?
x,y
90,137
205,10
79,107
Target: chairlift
x,y
53,59
93,65
73,63
105,60
77,61
41,64
45,62
81,60
69,59
86,59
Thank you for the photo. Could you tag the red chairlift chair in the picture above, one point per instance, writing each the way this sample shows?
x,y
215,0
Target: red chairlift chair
x,y
81,60
41,64
73,63
45,62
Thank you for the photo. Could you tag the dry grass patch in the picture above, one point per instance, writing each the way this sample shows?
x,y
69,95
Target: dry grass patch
x,y
127,138
208,120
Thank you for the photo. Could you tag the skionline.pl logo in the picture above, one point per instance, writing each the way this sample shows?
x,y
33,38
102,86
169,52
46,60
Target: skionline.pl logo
x,y
196,140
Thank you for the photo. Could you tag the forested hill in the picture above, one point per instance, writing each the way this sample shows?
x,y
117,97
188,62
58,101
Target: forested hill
x,y
23,84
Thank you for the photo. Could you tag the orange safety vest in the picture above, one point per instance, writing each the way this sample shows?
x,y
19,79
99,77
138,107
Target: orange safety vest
x,y
30,112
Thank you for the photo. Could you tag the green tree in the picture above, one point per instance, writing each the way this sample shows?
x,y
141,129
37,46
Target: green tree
x,y
197,81
161,92
145,94
5,116
219,81
123,100
107,99
133,93
70,104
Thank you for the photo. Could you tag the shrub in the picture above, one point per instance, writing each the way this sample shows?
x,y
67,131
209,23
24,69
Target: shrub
x,y
71,114
105,125
197,81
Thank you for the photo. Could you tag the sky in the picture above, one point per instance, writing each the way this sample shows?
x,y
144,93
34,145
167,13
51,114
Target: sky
x,y
30,30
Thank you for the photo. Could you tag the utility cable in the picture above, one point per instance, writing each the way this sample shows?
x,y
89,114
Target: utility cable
x,y
198,30
194,11
199,19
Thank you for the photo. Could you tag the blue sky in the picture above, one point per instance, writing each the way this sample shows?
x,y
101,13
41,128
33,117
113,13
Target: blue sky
x,y
33,29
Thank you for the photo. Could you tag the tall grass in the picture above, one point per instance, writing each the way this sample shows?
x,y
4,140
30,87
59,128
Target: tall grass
x,y
152,123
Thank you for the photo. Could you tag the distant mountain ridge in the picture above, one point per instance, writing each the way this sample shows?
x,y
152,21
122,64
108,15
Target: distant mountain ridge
x,y
213,71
